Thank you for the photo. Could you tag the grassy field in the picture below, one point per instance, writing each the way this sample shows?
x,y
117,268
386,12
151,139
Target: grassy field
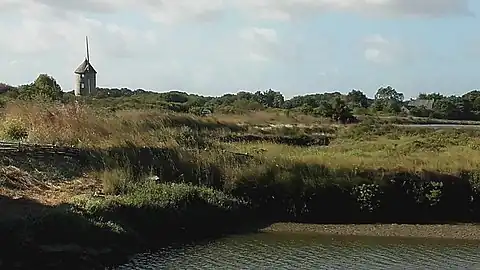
x,y
140,174
414,153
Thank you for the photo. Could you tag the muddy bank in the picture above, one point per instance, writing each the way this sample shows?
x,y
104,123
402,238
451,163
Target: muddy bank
x,y
445,231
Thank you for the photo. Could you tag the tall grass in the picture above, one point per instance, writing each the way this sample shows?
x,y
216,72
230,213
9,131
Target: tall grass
x,y
79,125
179,148
168,175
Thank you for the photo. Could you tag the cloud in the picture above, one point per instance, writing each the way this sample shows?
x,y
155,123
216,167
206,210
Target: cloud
x,y
163,11
50,24
261,43
379,50
297,9
42,28
169,11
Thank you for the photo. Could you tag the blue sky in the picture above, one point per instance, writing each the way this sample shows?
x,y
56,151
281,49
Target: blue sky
x,y
212,47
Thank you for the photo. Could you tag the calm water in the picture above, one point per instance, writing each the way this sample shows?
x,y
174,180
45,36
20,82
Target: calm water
x,y
301,251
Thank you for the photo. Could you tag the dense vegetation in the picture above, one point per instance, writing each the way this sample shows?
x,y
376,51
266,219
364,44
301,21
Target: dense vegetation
x,y
144,177
335,105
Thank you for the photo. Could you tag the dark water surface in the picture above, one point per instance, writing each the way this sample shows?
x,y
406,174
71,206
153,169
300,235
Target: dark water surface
x,y
307,251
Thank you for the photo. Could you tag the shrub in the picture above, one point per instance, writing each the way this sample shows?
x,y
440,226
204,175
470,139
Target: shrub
x,y
167,210
14,129
116,181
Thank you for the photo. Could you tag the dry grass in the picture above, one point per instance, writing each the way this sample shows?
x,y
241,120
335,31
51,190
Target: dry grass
x,y
409,153
82,126
260,118
78,125
67,124
115,181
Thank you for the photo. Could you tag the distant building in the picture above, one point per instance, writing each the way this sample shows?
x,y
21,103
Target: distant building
x,y
419,103
85,77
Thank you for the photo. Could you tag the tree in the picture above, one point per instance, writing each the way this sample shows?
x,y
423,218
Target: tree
x,y
270,98
341,112
454,107
8,90
388,93
176,97
357,99
388,99
4,87
337,110
476,105
431,96
44,87
474,98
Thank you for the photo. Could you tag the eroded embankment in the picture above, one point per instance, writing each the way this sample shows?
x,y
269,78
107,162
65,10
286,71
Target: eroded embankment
x,y
55,214
66,219
445,231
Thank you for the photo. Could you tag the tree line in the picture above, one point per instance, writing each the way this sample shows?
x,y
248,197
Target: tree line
x,y
338,106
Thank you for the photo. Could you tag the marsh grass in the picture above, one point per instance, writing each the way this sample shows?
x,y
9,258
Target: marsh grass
x,y
270,116
116,181
123,148
403,153
158,213
170,176
191,149
81,126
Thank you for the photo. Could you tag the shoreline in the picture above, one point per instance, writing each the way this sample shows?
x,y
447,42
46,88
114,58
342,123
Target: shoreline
x,y
465,231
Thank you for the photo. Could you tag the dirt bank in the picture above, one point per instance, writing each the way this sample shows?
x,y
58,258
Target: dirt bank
x,y
446,231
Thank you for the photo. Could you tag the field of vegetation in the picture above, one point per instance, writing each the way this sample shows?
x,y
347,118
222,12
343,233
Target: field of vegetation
x,y
141,178
269,105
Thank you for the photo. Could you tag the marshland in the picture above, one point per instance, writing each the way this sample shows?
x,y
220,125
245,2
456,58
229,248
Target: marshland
x,y
92,180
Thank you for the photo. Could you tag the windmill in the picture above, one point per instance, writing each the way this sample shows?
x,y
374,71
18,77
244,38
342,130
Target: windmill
x,y
85,76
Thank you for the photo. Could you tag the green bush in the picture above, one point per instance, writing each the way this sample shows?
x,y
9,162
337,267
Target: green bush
x,y
116,181
168,211
13,129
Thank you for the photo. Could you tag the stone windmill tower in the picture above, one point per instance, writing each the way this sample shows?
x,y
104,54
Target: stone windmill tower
x,y
85,77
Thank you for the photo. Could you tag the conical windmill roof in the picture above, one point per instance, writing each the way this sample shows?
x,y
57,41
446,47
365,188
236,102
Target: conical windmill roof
x,y
85,67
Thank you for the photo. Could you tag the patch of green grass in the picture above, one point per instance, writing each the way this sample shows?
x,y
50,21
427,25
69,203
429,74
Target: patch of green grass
x,y
116,181
13,129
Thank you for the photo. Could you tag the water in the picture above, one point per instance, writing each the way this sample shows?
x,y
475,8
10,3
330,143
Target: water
x,y
303,251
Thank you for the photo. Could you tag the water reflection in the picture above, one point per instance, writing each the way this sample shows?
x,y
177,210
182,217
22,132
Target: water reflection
x,y
301,251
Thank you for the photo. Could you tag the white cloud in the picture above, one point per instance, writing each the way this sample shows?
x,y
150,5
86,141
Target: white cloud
x,y
290,9
255,34
168,11
164,11
261,43
46,24
171,11
378,49
43,28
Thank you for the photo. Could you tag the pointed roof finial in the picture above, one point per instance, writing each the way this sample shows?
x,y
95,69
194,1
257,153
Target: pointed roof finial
x,y
85,66
88,53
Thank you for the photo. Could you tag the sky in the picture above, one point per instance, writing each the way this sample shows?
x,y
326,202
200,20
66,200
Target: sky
x,y
213,47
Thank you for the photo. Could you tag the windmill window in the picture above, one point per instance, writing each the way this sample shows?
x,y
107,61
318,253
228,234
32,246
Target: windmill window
x,y
82,75
82,85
